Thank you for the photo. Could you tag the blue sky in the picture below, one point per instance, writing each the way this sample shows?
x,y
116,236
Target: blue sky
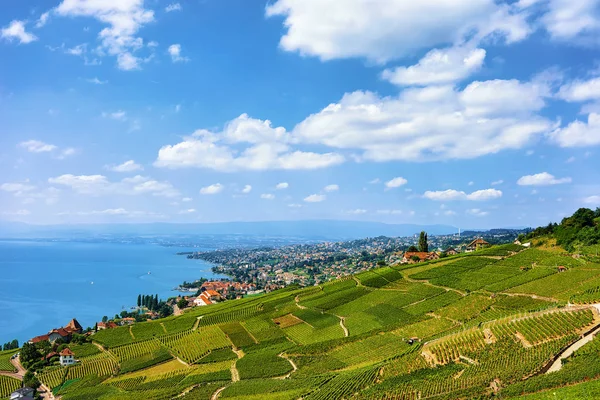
x,y
472,113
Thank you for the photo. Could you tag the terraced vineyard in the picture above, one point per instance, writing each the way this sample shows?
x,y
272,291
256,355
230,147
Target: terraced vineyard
x,y
8,385
482,325
5,364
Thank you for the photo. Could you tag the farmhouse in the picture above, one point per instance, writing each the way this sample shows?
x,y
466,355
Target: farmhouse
x,y
65,333
67,357
477,244
410,256
451,252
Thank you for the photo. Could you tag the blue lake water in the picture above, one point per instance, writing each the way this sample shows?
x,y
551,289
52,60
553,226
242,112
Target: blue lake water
x,y
43,285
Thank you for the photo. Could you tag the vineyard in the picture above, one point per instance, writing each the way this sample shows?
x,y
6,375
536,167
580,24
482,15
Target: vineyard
x,y
191,346
8,385
482,325
5,364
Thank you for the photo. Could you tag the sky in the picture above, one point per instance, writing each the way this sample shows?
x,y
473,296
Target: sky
x,y
473,113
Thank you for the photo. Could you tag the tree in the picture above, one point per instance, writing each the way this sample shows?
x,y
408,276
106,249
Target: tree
x,y
423,245
30,380
104,319
29,353
182,303
412,249
139,302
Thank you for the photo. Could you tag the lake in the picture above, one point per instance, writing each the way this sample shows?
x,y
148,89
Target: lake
x,y
43,285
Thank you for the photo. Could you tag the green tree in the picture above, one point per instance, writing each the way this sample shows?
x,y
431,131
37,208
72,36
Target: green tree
x,y
182,303
139,301
29,353
412,249
104,319
423,245
30,380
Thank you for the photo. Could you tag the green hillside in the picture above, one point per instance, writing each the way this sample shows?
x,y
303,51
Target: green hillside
x,y
485,324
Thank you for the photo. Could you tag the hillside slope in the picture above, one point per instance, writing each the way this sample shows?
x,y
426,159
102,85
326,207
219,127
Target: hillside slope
x,y
484,323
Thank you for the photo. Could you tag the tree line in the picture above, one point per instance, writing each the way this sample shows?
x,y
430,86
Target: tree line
x,y
11,345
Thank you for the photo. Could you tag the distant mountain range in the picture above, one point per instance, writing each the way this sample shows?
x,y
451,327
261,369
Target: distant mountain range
x,y
314,229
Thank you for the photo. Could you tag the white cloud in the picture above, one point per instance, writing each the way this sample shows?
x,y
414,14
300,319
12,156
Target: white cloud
x,y
578,133
16,31
37,146
477,212
116,115
432,123
542,179
43,19
569,20
331,188
294,205
315,198
375,181
578,91
358,211
451,194
247,189
124,18
267,196
438,67
381,30
471,183
127,166
175,53
264,148
570,160
212,189
16,187
97,81
386,212
396,182
173,7
98,185
187,199
592,200
18,213
497,183
449,213
188,211
282,185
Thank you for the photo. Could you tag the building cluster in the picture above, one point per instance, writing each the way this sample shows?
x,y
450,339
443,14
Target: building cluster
x,y
65,333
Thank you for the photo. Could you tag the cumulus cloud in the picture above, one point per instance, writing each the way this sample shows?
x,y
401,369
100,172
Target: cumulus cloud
x,y
267,196
127,166
477,212
16,187
98,185
123,20
175,53
396,182
43,19
579,133
187,199
173,7
569,20
315,198
244,144
282,185
18,213
247,189
432,123
358,211
16,31
497,183
451,194
578,91
381,30
37,146
542,179
212,189
438,67
116,115
188,211
97,81
331,188
592,200
294,205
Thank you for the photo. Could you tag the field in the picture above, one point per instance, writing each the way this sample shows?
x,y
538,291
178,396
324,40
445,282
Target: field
x,y
5,364
462,327
8,385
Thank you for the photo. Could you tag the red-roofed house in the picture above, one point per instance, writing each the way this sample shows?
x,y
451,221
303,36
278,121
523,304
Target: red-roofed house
x,y
106,325
410,256
38,339
67,357
477,244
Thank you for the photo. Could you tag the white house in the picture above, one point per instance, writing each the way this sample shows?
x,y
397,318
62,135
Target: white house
x,y
67,357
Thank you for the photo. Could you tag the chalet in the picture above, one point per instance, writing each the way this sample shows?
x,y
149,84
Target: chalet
x,y
477,244
451,252
67,357
106,325
410,256
127,321
23,394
